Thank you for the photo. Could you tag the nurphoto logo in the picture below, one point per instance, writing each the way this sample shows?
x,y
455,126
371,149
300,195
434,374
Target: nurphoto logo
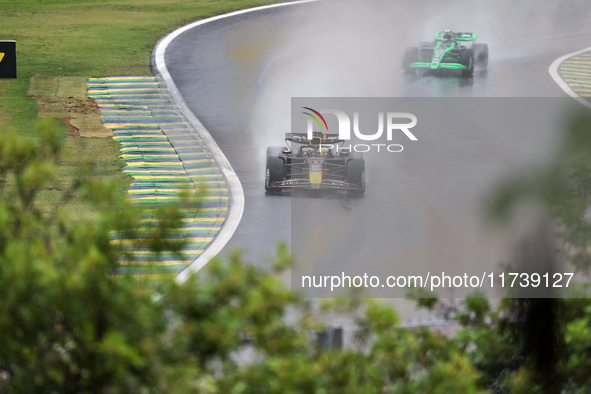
x,y
397,123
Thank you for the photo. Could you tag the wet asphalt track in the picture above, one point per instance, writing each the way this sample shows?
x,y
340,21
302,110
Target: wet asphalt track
x,y
226,71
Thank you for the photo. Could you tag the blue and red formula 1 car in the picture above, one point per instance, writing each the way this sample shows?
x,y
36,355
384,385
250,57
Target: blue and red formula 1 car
x,y
320,163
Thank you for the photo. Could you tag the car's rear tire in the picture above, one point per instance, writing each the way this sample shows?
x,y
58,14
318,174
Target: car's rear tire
x,y
411,55
481,55
275,172
467,60
356,175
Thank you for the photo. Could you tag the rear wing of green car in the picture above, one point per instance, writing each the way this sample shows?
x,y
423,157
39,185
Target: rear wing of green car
x,y
456,36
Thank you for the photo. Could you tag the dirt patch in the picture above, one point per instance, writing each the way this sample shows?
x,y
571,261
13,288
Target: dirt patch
x,y
65,98
74,132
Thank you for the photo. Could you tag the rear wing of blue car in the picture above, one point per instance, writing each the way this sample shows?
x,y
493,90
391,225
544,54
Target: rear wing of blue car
x,y
456,35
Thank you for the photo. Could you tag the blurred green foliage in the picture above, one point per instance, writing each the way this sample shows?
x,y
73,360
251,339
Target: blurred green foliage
x,y
69,324
539,345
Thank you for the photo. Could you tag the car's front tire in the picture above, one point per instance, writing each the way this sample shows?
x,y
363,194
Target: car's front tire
x,y
481,54
411,55
275,172
467,60
356,175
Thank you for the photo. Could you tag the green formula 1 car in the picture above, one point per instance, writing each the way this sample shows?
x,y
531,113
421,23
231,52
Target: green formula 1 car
x,y
448,51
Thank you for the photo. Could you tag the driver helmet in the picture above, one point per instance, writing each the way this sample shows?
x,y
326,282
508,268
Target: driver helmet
x,y
316,139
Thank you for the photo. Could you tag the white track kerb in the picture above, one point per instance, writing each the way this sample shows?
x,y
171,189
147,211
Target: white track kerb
x,y
553,70
236,193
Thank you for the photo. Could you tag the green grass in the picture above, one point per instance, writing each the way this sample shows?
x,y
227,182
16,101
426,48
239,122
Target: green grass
x,y
87,38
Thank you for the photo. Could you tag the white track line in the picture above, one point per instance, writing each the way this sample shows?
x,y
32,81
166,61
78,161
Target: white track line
x,y
236,192
553,70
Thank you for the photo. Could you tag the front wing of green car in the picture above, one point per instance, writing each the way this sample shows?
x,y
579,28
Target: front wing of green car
x,y
438,66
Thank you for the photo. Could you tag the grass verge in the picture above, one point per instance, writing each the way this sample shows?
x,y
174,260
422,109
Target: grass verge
x,y
61,42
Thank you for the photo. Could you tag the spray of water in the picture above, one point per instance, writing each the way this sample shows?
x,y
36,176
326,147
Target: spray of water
x,y
353,48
